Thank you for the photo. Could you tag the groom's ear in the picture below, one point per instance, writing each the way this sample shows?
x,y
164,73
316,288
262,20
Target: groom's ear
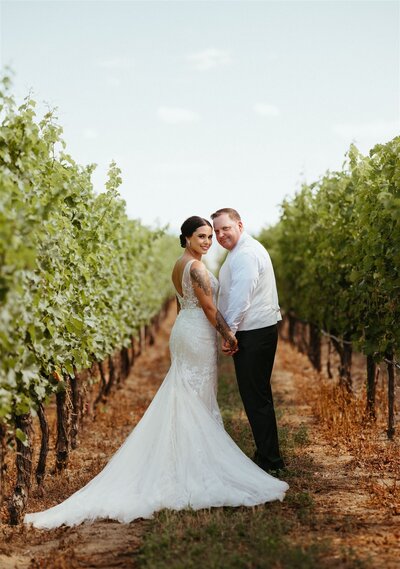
x,y
240,224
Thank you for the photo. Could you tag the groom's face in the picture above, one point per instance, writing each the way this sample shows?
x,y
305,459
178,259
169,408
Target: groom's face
x,y
227,231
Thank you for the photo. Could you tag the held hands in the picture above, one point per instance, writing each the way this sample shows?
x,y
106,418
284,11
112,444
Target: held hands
x,y
229,347
229,342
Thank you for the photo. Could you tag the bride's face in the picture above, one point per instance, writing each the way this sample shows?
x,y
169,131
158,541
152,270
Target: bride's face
x,y
201,240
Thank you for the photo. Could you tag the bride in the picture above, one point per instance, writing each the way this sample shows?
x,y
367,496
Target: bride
x,y
179,454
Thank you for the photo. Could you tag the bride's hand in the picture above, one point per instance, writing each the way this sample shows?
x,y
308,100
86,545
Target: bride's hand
x,y
229,347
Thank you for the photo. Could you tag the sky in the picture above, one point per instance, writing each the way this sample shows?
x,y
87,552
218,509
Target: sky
x,y
209,104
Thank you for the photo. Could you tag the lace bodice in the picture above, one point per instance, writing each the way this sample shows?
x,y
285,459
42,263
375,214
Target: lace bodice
x,y
189,299
196,359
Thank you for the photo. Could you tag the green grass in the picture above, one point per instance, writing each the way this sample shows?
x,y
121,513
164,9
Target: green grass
x,y
234,538
272,536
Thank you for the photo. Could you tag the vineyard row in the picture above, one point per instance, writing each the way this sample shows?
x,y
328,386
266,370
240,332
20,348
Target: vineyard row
x,y
78,278
336,253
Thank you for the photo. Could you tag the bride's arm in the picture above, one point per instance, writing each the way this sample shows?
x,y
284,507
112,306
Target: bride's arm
x,y
203,291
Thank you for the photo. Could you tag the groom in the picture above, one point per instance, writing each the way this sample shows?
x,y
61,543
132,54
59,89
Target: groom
x,y
248,300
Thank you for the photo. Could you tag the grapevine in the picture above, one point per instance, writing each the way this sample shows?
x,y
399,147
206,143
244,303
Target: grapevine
x,y
78,278
336,252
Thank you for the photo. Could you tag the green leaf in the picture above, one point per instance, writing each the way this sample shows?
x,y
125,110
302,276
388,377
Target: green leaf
x,y
21,436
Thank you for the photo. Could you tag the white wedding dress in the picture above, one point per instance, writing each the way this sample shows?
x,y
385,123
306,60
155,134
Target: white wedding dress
x,y
179,454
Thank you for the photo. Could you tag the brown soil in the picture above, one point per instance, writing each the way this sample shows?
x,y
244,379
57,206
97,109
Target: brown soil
x,y
349,510
353,472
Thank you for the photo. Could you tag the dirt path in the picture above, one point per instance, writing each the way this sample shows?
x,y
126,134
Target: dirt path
x,y
346,512
343,509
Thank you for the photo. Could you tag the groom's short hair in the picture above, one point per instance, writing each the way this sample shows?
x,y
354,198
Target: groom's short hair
x,y
233,214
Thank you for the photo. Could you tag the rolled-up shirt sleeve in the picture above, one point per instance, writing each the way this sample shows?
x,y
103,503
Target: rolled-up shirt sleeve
x,y
245,274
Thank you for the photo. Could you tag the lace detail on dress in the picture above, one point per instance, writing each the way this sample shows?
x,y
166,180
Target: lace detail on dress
x,y
189,299
195,351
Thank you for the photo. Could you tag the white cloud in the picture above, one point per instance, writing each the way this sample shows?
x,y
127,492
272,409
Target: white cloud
x,y
209,58
376,130
176,115
115,63
266,110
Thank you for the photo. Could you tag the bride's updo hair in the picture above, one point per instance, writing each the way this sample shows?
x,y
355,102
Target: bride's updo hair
x,y
189,226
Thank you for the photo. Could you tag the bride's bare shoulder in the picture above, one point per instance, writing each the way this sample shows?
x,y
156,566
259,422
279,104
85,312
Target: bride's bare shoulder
x,y
197,266
199,274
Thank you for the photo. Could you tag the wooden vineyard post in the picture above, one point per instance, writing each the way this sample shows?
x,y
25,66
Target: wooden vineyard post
x,y
301,333
44,445
62,444
138,345
117,358
2,461
23,461
133,350
142,339
346,365
111,375
390,376
291,327
345,351
304,338
371,386
293,330
328,361
125,364
75,397
314,349
149,334
103,383
157,318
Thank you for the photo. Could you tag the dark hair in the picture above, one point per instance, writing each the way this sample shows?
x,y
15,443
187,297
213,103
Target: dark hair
x,y
233,214
189,226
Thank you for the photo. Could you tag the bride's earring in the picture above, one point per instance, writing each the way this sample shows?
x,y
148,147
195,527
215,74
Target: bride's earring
x,y
188,242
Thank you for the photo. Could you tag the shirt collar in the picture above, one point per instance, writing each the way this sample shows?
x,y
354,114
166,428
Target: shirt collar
x,y
242,239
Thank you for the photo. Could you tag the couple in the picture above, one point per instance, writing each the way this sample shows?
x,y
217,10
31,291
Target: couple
x,y
179,454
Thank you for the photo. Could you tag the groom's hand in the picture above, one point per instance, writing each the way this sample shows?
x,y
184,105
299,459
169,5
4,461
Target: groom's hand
x,y
227,349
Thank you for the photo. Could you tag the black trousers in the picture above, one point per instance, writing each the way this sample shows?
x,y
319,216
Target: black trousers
x,y
253,366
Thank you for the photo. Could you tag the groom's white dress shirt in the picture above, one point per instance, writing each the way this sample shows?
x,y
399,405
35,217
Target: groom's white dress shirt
x,y
248,298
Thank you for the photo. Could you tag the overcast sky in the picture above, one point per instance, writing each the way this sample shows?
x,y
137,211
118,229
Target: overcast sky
x,y
210,104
